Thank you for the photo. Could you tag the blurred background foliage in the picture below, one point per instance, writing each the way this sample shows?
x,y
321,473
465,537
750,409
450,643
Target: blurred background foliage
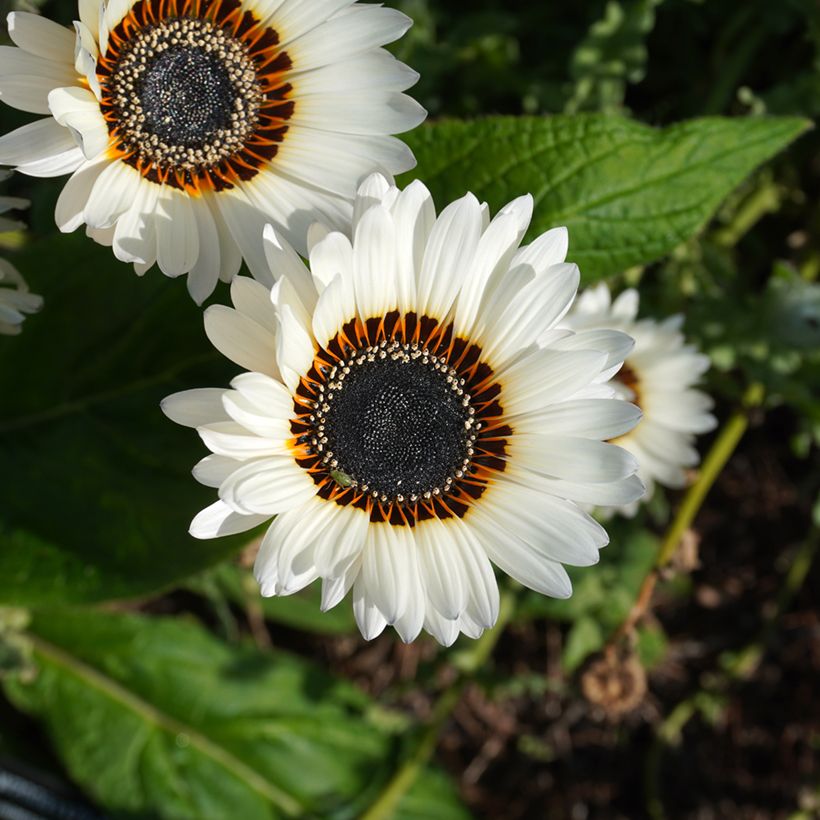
x,y
143,676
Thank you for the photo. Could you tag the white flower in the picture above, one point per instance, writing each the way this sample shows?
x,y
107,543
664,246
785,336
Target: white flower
x,y
658,376
188,126
15,298
410,415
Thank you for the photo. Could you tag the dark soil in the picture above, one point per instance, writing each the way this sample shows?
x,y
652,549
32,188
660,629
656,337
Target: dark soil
x,y
750,752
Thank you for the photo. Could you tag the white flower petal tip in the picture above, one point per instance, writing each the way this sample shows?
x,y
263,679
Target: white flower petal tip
x,y
653,367
191,195
16,300
408,420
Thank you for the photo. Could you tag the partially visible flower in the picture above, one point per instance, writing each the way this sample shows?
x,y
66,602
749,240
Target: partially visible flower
x,y
15,299
188,126
658,376
411,415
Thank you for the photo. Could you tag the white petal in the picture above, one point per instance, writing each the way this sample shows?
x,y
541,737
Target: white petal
x,y
352,112
495,249
294,348
228,438
177,233
449,254
70,211
79,111
39,147
334,162
543,377
285,262
601,419
385,565
41,36
26,80
219,520
519,560
271,424
411,621
135,234
616,344
346,36
242,340
372,70
193,408
293,18
414,215
444,631
213,470
573,459
268,487
265,394
547,250
441,568
204,274
374,248
341,549
112,194
626,305
253,299
245,223
537,306
369,619
553,527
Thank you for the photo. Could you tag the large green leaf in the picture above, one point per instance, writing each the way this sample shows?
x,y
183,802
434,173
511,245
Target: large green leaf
x,y
157,718
628,193
95,488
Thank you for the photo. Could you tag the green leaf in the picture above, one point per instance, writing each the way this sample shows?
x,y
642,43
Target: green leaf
x,y
96,483
585,637
628,193
157,718
432,797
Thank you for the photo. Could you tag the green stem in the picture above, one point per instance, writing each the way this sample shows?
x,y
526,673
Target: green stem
x,y
385,805
764,200
722,450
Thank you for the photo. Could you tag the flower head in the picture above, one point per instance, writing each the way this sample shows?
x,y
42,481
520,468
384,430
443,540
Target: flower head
x,y
658,376
15,299
412,415
187,125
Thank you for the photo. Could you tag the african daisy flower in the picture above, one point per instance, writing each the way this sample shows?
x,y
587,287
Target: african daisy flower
x,y
15,299
187,125
658,376
410,415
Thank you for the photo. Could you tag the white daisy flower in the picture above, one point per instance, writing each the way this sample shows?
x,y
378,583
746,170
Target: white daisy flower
x,y
15,299
187,125
410,415
658,376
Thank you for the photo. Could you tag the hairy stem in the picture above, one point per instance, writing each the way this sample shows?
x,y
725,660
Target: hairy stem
x,y
722,450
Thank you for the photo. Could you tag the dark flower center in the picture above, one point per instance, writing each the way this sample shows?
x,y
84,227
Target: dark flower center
x,y
185,94
395,421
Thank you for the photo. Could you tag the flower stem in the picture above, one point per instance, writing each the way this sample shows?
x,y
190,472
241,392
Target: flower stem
x,y
722,450
385,805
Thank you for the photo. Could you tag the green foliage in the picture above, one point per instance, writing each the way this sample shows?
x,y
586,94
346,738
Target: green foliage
x,y
610,56
156,718
96,483
629,194
301,611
